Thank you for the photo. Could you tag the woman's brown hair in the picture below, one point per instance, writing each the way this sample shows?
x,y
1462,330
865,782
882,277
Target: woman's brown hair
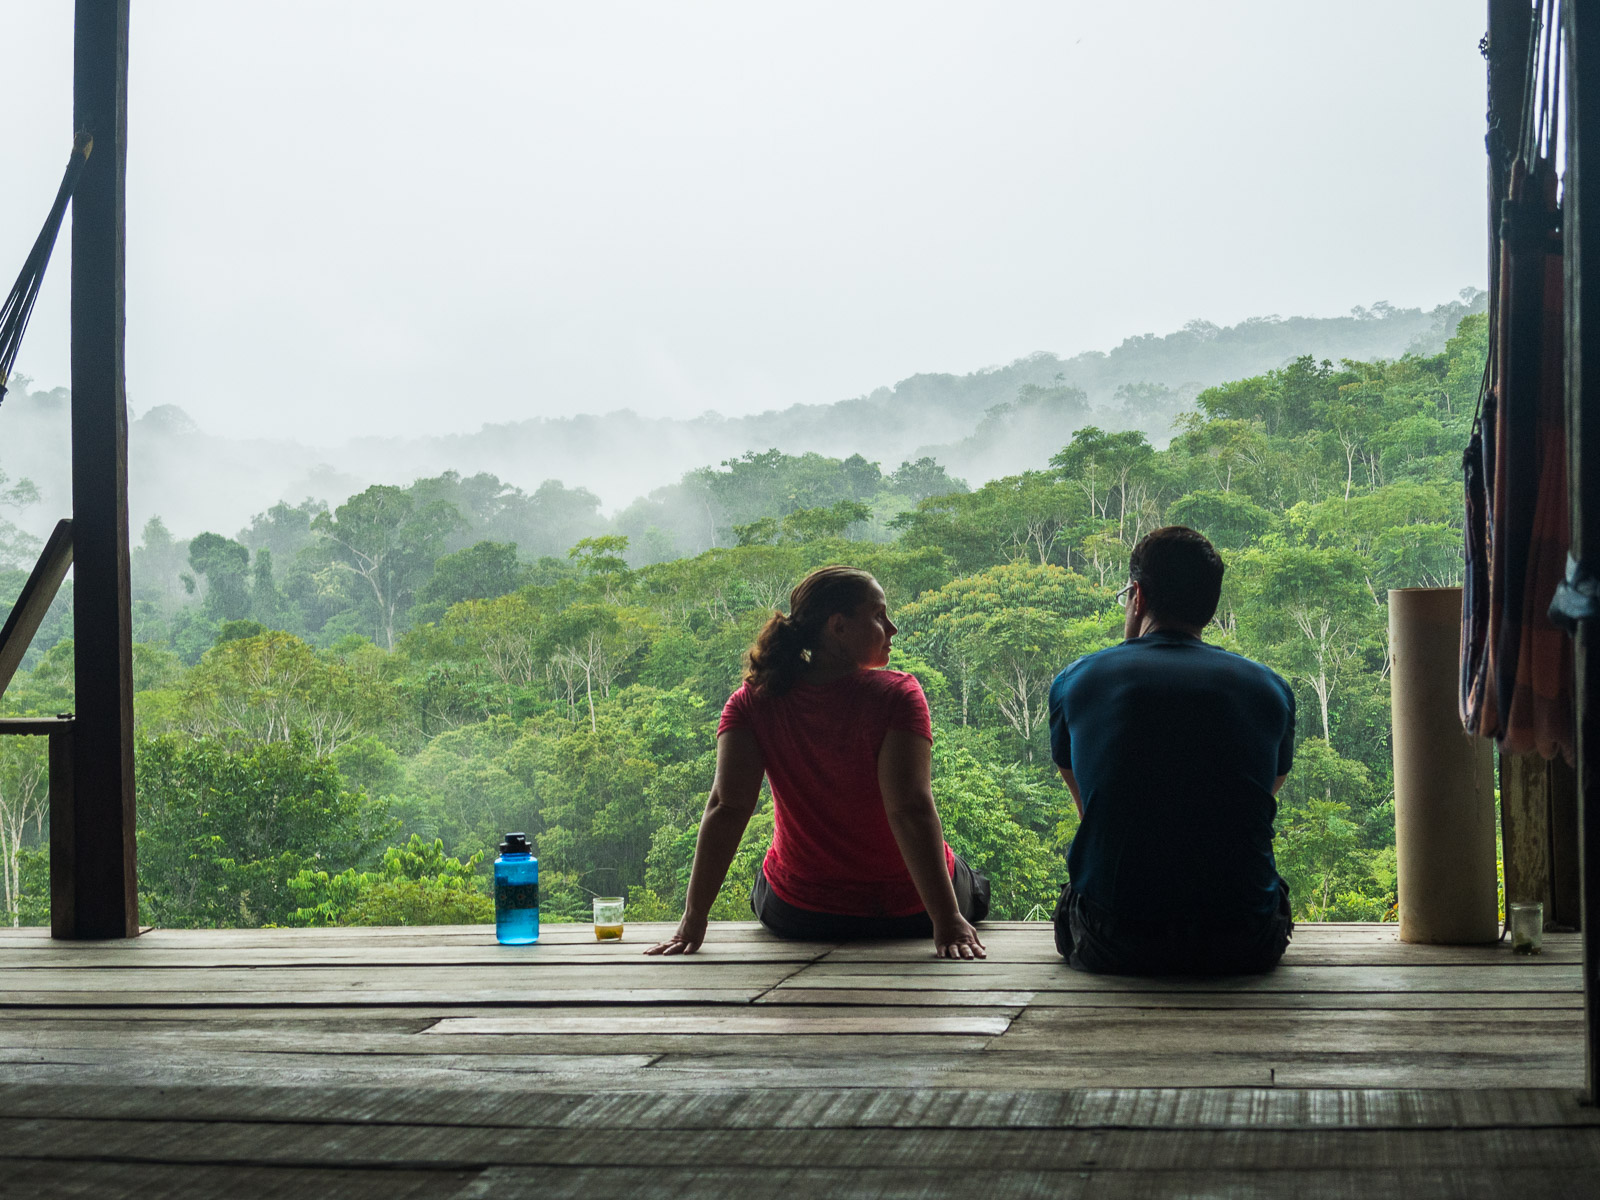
x,y
783,646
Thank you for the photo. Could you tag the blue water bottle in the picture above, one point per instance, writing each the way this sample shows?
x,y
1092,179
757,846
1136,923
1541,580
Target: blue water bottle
x,y
516,892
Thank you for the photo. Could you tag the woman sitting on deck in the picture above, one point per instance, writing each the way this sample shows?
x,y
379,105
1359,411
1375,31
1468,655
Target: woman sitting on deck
x,y
857,848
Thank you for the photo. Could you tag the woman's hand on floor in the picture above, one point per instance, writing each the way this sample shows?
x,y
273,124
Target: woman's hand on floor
x,y
958,940
691,932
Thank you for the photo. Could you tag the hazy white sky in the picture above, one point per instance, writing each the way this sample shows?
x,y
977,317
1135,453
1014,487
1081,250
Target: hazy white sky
x,y
404,217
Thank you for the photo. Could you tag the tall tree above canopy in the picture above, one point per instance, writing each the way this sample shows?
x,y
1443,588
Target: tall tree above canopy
x,y
1111,468
225,564
389,542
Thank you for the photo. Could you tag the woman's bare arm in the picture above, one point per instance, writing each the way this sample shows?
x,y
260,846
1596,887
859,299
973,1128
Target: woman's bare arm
x,y
905,776
735,792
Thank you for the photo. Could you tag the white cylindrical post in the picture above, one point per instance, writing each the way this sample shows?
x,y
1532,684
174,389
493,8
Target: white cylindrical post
x,y
1444,818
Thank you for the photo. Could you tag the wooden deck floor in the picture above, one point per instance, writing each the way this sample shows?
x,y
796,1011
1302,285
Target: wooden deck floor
x,y
434,1062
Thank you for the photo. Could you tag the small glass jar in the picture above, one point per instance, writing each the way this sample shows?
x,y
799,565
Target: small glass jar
x,y
608,918
1526,920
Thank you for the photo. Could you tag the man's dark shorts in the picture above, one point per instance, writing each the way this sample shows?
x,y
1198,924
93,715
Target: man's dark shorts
x,y
1092,939
803,925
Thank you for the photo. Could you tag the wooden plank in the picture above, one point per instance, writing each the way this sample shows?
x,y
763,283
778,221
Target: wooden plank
x,y
770,1023
31,606
1332,952
1203,1179
642,1111
387,1146
277,985
564,939
1559,1071
886,997
485,953
431,996
1529,975
91,1180
707,1069
206,1045
99,896
1484,1036
1002,937
648,931
522,1072
1236,1001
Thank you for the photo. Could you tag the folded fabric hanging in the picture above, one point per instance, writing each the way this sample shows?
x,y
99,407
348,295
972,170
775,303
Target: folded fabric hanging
x,y
18,305
1517,669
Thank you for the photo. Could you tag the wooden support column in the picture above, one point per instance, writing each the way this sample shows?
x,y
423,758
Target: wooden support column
x,y
98,897
1506,49
1580,215
1539,836
1525,829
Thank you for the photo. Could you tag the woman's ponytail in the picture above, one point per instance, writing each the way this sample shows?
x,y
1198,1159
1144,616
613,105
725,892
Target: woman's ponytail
x,y
783,647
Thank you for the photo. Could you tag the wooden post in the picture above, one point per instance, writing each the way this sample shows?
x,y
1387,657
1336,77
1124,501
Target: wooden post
x,y
1506,48
99,896
1539,836
1581,213
1525,830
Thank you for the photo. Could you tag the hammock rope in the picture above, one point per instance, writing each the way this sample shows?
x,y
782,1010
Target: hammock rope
x,y
18,305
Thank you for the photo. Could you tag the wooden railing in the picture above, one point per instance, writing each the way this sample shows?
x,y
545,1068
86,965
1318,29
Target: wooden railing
x,y
15,638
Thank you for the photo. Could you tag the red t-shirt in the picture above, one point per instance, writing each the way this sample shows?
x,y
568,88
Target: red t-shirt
x,y
832,848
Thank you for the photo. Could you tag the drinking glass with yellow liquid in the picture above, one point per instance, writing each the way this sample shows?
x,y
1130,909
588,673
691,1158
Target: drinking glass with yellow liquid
x,y
608,918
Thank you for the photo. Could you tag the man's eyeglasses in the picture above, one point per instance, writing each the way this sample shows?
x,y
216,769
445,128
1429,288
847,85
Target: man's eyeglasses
x,y
1124,592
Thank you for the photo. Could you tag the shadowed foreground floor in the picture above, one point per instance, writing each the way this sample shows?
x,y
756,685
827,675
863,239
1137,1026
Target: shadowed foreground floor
x,y
400,1062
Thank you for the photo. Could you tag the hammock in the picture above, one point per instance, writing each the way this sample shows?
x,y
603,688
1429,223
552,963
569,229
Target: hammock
x,y
1517,669
18,306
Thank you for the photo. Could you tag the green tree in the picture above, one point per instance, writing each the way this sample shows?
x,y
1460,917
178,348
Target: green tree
x,y
24,808
1024,874
18,548
223,830
1312,615
225,566
483,571
384,539
1320,844
416,884
1006,632
273,687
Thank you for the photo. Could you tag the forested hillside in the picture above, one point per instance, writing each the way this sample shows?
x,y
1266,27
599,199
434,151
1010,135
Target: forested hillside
x,y
341,709
979,425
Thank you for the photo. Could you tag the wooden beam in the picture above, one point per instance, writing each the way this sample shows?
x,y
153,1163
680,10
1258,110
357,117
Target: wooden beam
x,y
34,601
1506,48
1581,213
98,897
34,726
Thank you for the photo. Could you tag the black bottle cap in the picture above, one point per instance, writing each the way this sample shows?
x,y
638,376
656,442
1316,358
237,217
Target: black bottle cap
x,y
515,843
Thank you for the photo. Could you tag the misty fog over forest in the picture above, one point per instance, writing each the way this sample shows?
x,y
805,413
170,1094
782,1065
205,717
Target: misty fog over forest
x,y
979,426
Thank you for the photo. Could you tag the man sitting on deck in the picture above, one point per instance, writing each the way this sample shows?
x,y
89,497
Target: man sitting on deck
x,y
1174,752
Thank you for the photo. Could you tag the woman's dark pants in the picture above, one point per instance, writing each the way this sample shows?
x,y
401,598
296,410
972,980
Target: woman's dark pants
x,y
1092,939
803,925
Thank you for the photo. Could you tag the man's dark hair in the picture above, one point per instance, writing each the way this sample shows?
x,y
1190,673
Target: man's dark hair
x,y
1180,573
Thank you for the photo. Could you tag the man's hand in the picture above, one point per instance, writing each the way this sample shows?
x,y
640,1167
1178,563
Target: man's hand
x,y
957,940
690,934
